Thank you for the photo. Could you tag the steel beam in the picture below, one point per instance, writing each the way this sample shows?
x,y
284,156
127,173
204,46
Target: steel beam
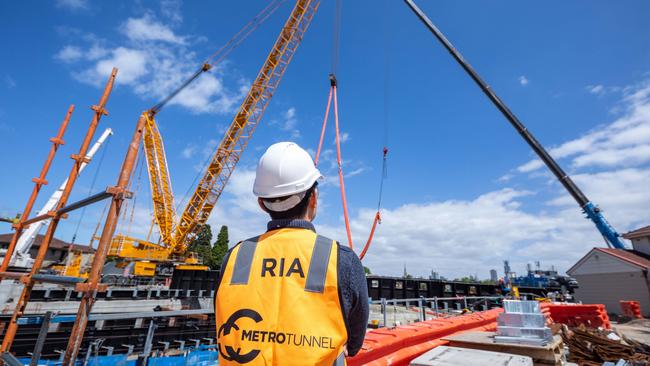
x,y
40,341
87,301
79,159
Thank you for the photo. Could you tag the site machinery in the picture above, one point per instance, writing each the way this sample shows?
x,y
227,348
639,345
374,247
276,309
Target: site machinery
x,y
592,211
177,232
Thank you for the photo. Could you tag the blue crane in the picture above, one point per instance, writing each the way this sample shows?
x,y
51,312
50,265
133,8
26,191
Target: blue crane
x,y
592,211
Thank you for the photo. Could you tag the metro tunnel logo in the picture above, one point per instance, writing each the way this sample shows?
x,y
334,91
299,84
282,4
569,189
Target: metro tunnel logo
x,y
229,353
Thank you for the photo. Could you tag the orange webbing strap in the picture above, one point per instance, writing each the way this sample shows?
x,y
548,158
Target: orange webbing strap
x,y
338,161
322,132
372,233
377,220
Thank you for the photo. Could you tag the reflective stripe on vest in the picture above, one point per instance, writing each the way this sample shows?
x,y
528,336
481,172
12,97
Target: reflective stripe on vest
x,y
278,302
243,262
340,360
320,258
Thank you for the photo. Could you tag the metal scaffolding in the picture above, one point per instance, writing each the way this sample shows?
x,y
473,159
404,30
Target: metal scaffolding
x,y
62,208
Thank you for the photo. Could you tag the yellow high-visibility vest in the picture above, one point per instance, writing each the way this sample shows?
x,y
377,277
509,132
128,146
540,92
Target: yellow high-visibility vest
x,y
278,302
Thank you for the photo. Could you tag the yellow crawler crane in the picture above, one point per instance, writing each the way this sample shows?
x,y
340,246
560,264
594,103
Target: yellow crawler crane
x,y
177,235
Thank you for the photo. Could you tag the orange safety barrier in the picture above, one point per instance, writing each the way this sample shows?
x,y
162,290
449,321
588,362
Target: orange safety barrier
x,y
590,315
631,308
400,345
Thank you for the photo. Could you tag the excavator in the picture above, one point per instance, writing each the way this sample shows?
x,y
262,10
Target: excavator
x,y
158,260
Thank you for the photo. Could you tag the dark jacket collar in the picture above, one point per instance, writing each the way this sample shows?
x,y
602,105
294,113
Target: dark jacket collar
x,y
290,223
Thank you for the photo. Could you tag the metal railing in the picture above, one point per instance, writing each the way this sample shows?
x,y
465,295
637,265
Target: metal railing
x,y
469,302
95,346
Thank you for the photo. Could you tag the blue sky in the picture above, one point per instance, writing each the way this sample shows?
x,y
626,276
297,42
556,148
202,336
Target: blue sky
x,y
464,191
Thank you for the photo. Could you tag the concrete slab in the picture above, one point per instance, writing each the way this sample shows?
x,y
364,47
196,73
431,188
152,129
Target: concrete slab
x,y
550,354
452,356
638,330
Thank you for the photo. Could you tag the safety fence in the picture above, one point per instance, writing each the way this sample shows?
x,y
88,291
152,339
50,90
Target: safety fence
x,y
589,315
631,309
400,345
438,306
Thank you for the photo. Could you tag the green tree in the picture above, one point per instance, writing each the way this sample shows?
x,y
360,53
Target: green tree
x,y
220,247
202,245
366,270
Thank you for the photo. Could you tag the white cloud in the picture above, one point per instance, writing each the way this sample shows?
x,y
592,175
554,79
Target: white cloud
x,y
523,81
147,28
601,90
188,151
355,172
131,64
290,119
72,4
238,208
288,123
153,60
453,237
69,54
505,178
624,142
344,137
622,193
595,89
530,166
96,52
171,9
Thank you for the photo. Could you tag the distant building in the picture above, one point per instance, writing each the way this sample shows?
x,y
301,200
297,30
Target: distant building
x,y
493,275
607,275
56,253
640,239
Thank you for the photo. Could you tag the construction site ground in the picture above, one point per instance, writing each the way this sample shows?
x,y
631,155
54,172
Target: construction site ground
x,y
638,330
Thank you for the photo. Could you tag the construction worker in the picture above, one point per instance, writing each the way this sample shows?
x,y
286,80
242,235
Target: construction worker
x,y
290,296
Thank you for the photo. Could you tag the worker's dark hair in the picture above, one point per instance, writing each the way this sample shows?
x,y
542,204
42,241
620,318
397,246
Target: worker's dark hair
x,y
297,211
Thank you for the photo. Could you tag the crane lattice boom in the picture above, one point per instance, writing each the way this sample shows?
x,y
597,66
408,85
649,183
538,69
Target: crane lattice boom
x,y
176,235
161,187
241,130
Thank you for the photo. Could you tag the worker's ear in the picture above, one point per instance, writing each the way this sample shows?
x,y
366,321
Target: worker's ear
x,y
313,205
261,203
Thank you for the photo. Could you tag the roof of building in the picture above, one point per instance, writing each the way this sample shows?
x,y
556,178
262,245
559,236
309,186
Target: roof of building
x,y
55,244
629,256
638,233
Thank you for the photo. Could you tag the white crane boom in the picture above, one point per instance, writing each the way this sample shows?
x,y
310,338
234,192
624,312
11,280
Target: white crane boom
x,y
26,240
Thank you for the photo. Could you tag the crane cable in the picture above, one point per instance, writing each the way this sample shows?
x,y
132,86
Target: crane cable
x,y
92,187
222,52
135,197
125,206
333,96
384,166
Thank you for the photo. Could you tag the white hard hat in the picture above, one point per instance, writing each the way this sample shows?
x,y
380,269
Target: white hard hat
x,y
285,169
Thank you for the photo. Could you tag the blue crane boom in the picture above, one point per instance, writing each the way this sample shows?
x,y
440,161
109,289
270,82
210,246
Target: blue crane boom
x,y
612,238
